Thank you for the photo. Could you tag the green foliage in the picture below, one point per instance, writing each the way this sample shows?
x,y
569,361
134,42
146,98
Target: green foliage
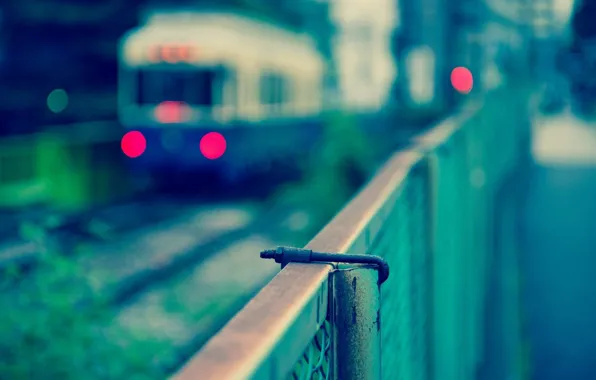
x,y
582,22
47,333
336,168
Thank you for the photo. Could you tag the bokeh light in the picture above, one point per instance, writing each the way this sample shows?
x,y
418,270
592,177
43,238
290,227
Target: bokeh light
x,y
462,80
57,100
171,112
213,145
133,144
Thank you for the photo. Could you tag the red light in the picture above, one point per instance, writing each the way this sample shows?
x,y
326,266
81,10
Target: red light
x,y
190,53
133,144
183,53
168,54
213,145
153,54
171,112
462,80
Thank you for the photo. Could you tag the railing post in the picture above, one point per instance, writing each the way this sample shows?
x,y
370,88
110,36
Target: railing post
x,y
356,309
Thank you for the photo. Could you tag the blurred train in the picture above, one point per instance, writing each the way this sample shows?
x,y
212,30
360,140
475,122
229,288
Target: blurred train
x,y
185,74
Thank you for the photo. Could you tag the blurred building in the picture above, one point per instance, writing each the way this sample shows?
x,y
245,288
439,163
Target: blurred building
x,y
530,30
581,58
424,48
362,51
504,40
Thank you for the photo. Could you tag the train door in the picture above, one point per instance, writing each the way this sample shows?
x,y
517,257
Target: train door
x,y
249,107
225,88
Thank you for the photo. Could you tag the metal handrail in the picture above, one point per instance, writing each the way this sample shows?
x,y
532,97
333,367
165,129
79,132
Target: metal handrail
x,y
255,344
300,322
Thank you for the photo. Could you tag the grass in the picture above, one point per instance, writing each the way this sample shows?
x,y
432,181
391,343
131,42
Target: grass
x,y
45,335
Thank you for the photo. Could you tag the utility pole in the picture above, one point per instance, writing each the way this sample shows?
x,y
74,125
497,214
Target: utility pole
x,y
545,33
316,16
527,17
470,17
423,36
401,40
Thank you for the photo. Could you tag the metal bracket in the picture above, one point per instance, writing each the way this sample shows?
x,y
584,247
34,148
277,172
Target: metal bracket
x,y
286,255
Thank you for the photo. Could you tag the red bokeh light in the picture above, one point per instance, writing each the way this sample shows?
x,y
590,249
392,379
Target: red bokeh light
x,y
213,145
171,112
462,80
168,54
133,144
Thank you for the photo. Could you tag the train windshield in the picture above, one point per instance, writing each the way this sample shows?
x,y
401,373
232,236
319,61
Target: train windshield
x,y
193,87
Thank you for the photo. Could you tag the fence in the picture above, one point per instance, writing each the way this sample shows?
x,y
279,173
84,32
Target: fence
x,y
429,213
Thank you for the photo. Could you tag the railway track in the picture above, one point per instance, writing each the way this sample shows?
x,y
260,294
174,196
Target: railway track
x,y
24,235
161,252
188,307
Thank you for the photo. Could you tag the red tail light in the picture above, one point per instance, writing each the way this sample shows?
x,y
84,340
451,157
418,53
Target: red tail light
x,y
171,112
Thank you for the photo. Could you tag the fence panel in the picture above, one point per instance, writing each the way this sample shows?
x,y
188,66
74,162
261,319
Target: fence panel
x,y
428,214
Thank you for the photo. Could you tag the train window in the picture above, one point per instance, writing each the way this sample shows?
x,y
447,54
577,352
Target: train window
x,y
194,87
231,97
274,89
284,90
266,91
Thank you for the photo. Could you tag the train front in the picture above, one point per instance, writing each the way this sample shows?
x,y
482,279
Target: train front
x,y
176,93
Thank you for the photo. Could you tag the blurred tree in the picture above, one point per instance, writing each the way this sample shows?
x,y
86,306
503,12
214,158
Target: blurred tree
x,y
61,44
338,165
582,57
582,23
